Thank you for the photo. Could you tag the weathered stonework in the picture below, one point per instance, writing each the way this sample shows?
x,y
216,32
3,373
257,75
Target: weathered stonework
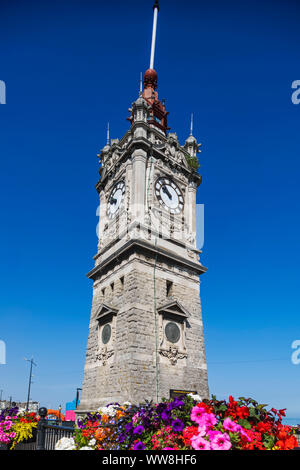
x,y
146,274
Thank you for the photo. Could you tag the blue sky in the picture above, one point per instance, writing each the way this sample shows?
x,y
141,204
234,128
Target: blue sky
x,y
70,67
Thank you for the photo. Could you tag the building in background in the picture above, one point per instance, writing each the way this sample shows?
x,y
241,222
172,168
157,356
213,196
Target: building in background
x,y
33,406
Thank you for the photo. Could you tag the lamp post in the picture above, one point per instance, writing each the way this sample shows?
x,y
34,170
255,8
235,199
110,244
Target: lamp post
x,y
59,414
77,396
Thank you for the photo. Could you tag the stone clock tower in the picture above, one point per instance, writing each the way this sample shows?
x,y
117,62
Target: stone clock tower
x,y
146,331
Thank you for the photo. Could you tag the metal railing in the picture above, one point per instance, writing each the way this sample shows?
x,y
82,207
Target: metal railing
x,y
49,434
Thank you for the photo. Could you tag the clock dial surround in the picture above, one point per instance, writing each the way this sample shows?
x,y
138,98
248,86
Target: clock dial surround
x,y
169,195
116,199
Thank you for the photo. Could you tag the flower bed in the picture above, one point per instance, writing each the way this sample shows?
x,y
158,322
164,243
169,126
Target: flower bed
x,y
185,423
17,427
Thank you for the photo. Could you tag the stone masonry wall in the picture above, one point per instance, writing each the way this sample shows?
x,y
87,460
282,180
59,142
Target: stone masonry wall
x,y
129,374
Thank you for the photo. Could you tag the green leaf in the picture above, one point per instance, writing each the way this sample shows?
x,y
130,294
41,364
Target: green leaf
x,y
262,406
268,441
222,408
245,424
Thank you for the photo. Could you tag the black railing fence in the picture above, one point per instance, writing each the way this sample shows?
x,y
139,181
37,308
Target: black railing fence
x,y
49,434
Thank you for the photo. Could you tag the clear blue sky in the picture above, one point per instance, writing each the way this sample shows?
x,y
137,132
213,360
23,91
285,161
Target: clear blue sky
x,y
70,67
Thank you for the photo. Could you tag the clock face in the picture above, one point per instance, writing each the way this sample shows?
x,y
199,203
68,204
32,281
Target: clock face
x,y
115,199
169,195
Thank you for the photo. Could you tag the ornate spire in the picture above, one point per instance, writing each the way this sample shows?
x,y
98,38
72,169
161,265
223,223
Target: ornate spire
x,y
157,114
107,140
191,144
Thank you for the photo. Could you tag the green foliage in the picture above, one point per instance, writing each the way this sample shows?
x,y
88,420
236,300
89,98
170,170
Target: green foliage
x,y
244,423
192,162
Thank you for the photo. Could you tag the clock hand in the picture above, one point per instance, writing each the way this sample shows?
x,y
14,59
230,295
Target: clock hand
x,y
113,200
167,192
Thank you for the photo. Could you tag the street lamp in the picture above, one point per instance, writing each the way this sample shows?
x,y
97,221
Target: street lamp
x,y
77,396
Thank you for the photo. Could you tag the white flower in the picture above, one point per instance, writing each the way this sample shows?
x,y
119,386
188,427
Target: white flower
x,y
85,448
65,443
127,403
92,442
110,410
195,397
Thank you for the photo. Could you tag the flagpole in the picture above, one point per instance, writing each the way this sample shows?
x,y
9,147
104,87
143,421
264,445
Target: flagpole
x,y
155,14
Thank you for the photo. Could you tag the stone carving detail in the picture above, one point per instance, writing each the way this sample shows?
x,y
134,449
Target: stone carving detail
x,y
192,254
103,355
173,354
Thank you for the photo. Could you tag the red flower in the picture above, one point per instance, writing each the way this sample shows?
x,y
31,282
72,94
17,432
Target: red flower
x,y
263,427
208,408
242,412
287,444
188,433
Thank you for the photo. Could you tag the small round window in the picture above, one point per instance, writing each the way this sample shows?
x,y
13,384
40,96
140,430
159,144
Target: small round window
x,y
172,332
106,334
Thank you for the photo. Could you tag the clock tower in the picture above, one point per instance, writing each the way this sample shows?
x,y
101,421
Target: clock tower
x,y
146,330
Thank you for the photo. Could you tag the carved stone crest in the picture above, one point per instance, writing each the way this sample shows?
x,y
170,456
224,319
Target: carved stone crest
x,y
173,354
103,355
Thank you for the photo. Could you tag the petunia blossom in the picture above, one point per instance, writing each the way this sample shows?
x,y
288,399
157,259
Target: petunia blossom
x,y
199,443
221,442
230,425
197,413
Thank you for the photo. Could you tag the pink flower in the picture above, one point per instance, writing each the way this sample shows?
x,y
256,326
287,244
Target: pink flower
x,y
201,430
198,443
212,434
221,442
230,425
208,420
197,413
169,448
243,432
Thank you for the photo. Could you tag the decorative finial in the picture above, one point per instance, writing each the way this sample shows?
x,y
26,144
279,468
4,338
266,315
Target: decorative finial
x,y
107,142
155,10
156,5
192,123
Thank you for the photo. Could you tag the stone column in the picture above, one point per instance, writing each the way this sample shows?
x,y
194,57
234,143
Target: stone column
x,y
101,212
190,209
139,158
